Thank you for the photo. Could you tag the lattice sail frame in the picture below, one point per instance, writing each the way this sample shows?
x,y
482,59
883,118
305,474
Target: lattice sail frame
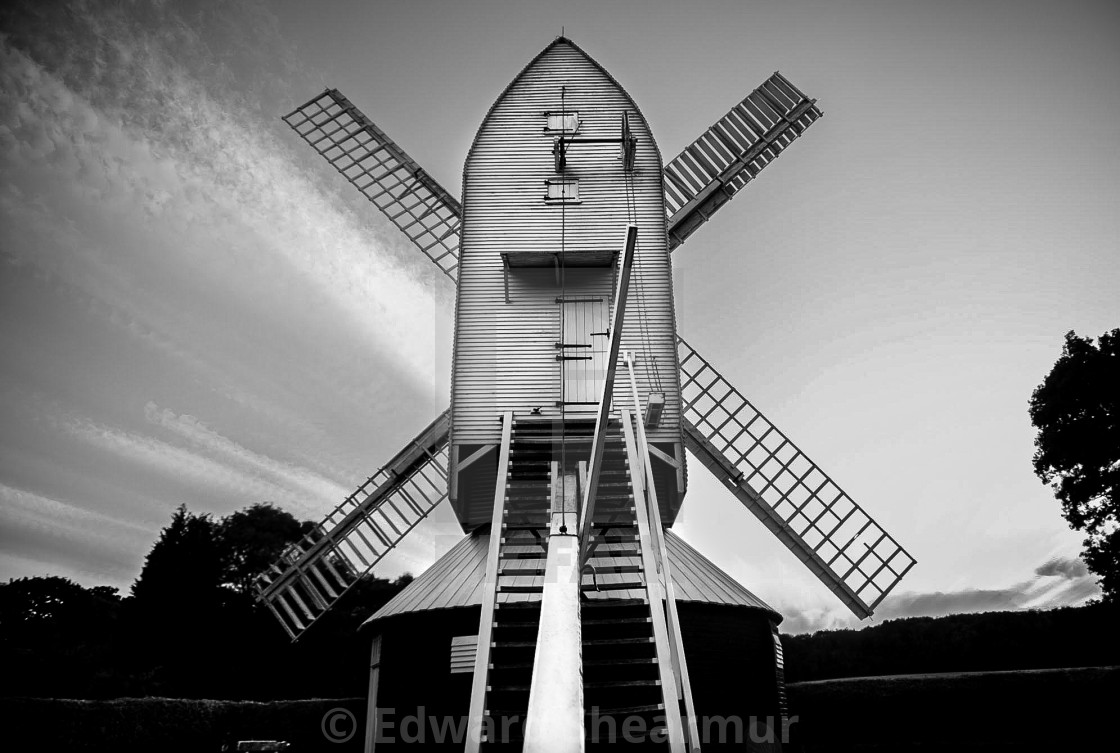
x,y
384,174
315,572
727,156
793,497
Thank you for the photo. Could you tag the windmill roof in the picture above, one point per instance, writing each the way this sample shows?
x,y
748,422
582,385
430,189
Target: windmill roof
x,y
561,40
456,580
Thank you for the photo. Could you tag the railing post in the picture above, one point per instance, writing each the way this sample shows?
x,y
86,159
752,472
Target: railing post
x,y
489,596
650,556
676,639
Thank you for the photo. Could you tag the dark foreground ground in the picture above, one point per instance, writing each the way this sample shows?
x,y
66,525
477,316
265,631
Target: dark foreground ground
x,y
1024,710
1045,710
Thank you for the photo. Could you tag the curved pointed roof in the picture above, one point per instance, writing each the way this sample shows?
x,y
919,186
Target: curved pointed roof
x,y
561,40
456,580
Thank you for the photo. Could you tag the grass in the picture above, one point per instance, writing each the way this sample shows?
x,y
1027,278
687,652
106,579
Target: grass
x,y
1048,709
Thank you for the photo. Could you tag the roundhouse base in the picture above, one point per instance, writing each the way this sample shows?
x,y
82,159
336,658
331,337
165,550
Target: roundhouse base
x,y
736,680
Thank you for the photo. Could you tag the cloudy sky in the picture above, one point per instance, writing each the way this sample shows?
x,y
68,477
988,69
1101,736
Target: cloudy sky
x,y
194,310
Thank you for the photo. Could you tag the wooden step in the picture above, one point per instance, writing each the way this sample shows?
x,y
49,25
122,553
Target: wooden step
x,y
521,571
618,621
616,641
614,553
628,710
651,683
617,662
511,589
523,541
600,569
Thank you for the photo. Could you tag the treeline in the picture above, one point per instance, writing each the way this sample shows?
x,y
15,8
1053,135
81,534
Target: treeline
x,y
1068,637
189,628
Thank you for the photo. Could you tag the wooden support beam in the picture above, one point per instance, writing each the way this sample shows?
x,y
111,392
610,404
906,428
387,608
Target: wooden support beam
x,y
489,595
453,474
371,699
554,720
676,639
626,264
480,452
664,457
651,568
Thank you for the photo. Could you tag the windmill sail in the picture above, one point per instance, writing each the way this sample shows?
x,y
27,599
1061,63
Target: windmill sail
x,y
384,173
829,532
314,573
729,154
788,492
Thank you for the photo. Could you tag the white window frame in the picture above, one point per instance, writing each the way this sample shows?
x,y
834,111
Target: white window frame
x,y
562,121
562,191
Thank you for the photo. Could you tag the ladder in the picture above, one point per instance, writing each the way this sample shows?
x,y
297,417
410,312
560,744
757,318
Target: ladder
x,y
627,669
521,543
627,665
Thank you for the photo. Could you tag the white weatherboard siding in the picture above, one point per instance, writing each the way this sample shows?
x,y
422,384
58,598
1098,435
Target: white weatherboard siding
x,y
505,353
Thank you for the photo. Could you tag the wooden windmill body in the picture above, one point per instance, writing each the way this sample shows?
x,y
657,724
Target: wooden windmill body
x,y
569,610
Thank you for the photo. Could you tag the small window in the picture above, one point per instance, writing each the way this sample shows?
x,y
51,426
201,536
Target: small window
x,y
562,122
565,191
463,650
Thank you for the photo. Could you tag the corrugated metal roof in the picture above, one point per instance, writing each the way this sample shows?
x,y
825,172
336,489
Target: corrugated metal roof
x,y
697,578
455,580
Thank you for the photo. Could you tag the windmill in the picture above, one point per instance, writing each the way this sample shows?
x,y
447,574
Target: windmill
x,y
563,452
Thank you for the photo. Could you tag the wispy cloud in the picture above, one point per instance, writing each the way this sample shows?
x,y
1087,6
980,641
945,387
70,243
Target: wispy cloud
x,y
66,536
189,313
231,455
232,471
184,166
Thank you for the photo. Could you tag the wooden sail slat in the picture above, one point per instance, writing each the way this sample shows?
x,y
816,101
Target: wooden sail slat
x,y
341,541
783,101
730,153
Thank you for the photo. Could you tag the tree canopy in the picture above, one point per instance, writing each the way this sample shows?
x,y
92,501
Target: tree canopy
x,y
254,538
1076,411
190,627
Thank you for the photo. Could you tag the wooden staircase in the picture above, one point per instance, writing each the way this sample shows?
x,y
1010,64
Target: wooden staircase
x,y
625,667
622,677
521,559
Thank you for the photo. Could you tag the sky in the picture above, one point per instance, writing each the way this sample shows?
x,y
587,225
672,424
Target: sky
x,y
194,310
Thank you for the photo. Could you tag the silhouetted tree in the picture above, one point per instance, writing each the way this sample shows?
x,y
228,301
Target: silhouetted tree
x,y
989,641
177,610
184,565
57,637
1076,410
191,628
253,538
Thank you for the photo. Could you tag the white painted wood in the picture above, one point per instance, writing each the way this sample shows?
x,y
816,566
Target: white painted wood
x,y
655,589
371,698
554,722
504,357
583,335
606,393
676,639
489,596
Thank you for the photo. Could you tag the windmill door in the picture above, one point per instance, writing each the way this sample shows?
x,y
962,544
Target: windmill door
x,y
583,351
